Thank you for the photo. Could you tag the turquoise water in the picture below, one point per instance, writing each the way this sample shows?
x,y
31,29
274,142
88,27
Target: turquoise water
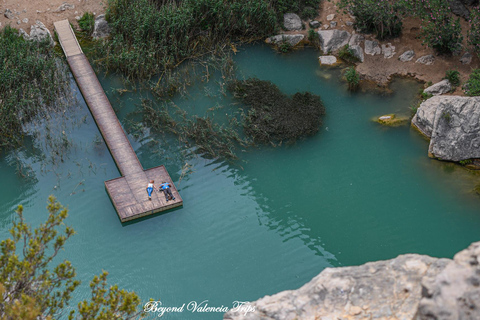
x,y
271,221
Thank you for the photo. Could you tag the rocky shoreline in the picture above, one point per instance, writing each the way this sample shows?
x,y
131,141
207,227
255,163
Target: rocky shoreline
x,y
409,287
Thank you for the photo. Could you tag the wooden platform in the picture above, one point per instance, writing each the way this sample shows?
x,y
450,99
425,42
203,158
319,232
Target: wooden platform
x,y
128,193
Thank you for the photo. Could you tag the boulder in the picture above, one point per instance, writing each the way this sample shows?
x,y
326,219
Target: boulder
x,y
357,52
438,88
372,48
428,59
332,40
355,40
388,50
333,24
291,21
466,58
314,24
453,125
380,290
459,9
330,17
65,6
38,32
407,56
409,287
291,39
9,14
101,28
328,60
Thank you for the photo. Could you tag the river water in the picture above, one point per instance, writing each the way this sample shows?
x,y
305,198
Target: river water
x,y
353,193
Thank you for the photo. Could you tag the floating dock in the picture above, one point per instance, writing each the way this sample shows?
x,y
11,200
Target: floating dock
x,y
128,193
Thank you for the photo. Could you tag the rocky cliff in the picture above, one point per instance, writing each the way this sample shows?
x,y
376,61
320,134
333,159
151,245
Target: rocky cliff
x,y
409,287
453,125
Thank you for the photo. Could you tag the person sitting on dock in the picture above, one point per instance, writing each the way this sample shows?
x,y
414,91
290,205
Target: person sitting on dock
x,y
165,187
150,188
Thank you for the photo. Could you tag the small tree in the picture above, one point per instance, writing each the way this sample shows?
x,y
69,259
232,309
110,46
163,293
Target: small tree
x,y
474,32
31,290
384,18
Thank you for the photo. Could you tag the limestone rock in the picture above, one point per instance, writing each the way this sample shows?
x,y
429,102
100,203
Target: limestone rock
x,y
65,6
388,289
315,24
9,14
428,59
291,39
330,17
333,24
459,9
372,48
328,60
407,56
25,20
101,28
326,26
291,21
453,125
357,52
332,40
455,292
438,88
466,58
388,50
23,34
38,32
356,39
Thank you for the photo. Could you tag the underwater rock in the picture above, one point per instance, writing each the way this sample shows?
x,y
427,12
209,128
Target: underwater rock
x,y
392,120
453,125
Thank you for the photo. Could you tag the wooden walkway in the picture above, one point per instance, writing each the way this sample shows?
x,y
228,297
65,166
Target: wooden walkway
x,y
128,193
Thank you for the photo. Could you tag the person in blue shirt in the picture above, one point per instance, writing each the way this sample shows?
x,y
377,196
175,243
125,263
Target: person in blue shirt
x,y
165,187
150,188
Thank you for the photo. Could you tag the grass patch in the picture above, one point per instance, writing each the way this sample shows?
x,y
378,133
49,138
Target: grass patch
x,y
472,86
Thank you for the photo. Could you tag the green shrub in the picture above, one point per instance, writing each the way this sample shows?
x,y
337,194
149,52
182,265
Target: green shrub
x,y
472,86
352,77
31,83
347,54
465,162
308,13
473,35
425,95
284,47
87,22
440,29
312,35
384,18
453,76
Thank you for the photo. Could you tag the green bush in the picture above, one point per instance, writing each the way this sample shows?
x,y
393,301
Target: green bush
x,y
308,13
284,47
347,54
440,29
473,35
87,22
384,18
312,35
352,77
31,83
453,76
472,86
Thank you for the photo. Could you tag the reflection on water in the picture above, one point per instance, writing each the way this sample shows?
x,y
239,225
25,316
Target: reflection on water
x,y
270,221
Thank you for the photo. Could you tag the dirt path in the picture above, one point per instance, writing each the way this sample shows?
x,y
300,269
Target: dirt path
x,y
44,10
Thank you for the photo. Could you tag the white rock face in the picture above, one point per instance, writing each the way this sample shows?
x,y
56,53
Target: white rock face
x,y
453,125
438,88
407,56
328,60
372,48
332,40
409,287
428,60
292,39
291,21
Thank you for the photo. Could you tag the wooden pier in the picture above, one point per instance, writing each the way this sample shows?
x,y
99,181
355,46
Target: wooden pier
x,y
128,193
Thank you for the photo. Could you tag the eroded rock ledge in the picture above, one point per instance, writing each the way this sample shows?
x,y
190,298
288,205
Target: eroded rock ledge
x,y
453,125
409,287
